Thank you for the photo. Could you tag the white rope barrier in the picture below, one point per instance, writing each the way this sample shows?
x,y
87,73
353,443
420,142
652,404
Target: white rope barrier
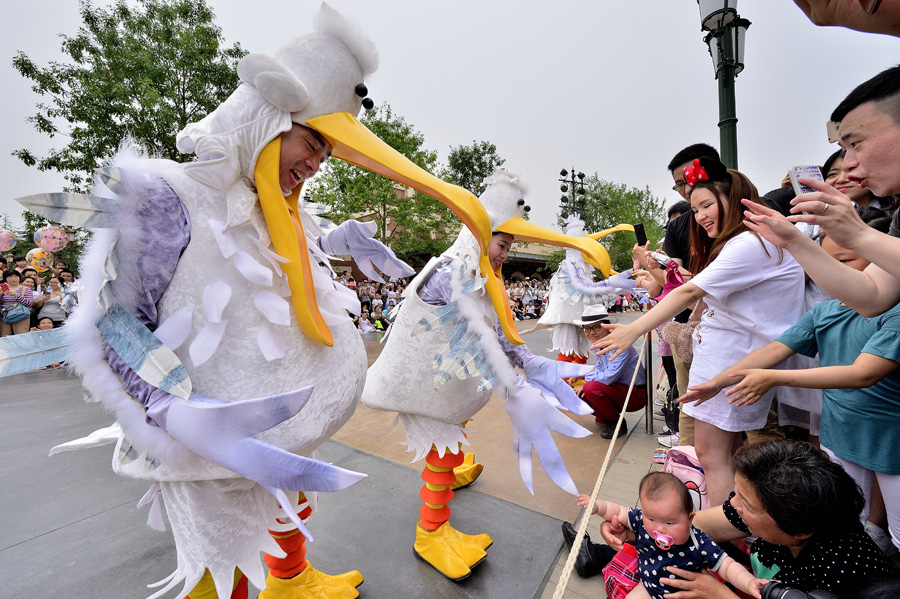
x,y
582,527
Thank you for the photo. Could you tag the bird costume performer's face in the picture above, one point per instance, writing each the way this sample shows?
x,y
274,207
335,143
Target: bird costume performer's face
x,y
499,250
303,151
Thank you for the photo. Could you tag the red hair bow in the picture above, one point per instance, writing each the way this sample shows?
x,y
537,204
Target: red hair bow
x,y
695,173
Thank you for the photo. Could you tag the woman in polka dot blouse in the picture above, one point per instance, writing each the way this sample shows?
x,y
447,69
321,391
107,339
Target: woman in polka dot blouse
x,y
805,510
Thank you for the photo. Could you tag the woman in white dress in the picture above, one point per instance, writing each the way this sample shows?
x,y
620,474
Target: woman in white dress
x,y
753,292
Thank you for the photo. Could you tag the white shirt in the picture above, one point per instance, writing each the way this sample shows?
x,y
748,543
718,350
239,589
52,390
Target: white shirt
x,y
751,299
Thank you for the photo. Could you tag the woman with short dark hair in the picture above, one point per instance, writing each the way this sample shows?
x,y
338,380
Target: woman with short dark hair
x,y
13,297
805,510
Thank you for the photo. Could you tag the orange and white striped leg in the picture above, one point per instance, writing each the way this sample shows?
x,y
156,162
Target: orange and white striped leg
x,y
449,551
291,577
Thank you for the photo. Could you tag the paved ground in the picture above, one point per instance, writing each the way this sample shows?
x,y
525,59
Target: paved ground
x,y
68,523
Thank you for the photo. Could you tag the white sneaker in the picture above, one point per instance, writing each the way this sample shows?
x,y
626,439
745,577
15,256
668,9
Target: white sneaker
x,y
670,440
881,538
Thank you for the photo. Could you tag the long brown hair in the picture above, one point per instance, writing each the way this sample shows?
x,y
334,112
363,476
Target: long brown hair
x,y
729,192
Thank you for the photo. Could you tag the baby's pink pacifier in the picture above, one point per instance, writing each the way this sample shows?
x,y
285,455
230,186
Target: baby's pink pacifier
x,y
664,542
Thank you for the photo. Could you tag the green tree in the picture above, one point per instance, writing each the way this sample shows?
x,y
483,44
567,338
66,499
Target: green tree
x,y
467,166
142,71
608,204
415,226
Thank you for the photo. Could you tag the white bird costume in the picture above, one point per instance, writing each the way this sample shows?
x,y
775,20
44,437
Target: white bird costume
x,y
451,345
205,287
572,289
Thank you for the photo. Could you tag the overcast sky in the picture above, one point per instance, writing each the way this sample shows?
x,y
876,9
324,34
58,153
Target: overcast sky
x,y
615,88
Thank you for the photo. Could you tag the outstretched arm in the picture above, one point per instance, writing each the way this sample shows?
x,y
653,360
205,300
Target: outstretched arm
x,y
870,292
765,357
865,371
606,509
623,336
850,13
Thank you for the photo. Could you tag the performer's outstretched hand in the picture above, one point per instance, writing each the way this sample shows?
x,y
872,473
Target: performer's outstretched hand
x,y
547,375
623,281
355,238
532,419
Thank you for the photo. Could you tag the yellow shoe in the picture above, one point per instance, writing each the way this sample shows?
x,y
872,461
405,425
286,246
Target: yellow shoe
x,y
451,552
312,584
467,472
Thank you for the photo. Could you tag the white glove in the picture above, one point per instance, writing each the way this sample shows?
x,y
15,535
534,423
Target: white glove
x,y
547,375
622,280
355,238
532,420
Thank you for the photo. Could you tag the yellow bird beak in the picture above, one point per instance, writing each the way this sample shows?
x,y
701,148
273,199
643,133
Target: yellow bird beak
x,y
352,142
522,230
289,241
616,229
601,234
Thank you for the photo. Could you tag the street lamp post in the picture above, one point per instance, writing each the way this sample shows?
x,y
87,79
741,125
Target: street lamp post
x,y
575,203
725,40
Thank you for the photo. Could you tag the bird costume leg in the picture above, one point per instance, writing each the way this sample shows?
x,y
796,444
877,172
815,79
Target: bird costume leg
x,y
206,588
467,472
450,552
291,577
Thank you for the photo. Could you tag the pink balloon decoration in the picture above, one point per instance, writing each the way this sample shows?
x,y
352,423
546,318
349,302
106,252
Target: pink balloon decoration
x,y
51,238
8,240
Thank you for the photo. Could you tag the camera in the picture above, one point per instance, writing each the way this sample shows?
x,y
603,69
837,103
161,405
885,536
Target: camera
x,y
779,590
661,259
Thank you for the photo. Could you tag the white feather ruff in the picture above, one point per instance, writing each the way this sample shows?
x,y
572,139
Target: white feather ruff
x,y
568,339
423,433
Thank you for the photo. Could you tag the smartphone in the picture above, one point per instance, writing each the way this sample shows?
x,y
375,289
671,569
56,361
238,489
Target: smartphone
x,y
640,234
806,171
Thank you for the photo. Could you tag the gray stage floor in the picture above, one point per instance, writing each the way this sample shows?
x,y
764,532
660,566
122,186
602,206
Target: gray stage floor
x,y
69,527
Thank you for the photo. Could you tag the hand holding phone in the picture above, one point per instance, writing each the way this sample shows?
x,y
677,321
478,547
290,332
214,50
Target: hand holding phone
x,y
805,171
640,234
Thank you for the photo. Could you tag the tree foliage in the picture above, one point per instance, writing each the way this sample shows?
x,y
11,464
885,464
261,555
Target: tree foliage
x,y
415,226
144,72
467,166
608,204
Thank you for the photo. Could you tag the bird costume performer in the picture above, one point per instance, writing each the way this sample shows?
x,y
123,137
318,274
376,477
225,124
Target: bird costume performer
x,y
217,349
572,289
455,324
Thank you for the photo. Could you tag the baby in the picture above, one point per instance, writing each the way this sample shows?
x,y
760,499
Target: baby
x,y
664,537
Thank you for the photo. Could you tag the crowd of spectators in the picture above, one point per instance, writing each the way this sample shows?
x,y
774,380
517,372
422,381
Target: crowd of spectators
x,y
527,298
757,281
377,301
48,297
